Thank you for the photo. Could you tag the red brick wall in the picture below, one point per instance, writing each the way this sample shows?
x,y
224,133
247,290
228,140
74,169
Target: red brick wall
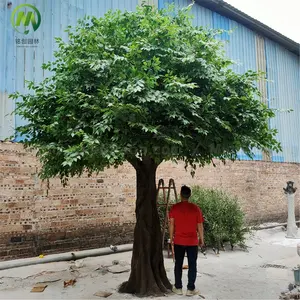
x,y
99,211
88,213
258,185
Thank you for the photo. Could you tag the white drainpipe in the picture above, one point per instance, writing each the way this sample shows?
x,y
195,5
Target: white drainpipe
x,y
64,256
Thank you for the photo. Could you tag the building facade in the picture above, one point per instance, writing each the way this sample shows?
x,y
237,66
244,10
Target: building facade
x,y
256,47
251,44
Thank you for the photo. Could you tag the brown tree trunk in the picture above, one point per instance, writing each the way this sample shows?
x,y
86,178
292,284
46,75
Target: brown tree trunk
x,y
148,276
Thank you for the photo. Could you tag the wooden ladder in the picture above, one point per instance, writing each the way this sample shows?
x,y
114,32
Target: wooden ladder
x,y
165,203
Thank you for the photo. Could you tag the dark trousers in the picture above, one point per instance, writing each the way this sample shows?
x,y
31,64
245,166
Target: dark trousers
x,y
192,254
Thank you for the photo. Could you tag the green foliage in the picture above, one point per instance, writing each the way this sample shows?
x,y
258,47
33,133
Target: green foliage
x,y
144,83
224,218
162,214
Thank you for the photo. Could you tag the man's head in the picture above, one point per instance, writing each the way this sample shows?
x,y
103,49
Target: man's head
x,y
185,193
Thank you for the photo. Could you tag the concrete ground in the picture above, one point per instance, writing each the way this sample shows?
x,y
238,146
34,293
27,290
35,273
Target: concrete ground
x,y
231,275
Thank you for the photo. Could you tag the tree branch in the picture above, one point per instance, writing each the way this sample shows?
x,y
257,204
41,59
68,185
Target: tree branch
x,y
133,161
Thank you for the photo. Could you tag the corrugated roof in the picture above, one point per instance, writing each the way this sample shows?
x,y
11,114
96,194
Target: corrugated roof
x,y
225,9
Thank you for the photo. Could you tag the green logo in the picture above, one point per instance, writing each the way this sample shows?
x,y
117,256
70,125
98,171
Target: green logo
x,y
19,16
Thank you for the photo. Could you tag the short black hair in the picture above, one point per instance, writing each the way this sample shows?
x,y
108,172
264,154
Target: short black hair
x,y
185,192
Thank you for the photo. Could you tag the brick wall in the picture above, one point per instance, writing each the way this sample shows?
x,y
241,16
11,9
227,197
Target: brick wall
x,y
88,213
258,185
99,211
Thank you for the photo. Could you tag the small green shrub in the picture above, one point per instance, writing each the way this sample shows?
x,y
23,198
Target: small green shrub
x,y
224,218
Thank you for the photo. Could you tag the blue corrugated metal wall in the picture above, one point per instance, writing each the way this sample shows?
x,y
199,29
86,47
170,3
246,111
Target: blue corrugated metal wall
x,y
282,68
242,49
18,64
221,22
283,93
7,72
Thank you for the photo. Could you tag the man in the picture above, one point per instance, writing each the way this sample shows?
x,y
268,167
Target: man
x,y
186,233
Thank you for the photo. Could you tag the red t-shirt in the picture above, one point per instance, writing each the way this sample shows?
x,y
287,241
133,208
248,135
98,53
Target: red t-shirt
x,y
186,216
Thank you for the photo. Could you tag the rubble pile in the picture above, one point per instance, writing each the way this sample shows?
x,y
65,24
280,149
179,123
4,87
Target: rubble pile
x,y
293,292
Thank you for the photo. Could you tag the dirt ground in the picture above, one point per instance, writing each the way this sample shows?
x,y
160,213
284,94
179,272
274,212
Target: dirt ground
x,y
231,275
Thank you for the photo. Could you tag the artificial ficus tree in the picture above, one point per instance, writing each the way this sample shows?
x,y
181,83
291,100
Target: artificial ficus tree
x,y
142,87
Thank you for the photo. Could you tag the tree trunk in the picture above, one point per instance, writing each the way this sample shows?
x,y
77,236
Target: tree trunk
x,y
148,276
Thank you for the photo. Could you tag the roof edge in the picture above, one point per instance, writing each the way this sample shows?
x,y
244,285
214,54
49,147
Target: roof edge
x,y
227,10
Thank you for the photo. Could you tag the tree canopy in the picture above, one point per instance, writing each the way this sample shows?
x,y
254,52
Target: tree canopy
x,y
136,84
142,87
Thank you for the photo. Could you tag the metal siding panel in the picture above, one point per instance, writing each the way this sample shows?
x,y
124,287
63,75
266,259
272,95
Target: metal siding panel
x,y
87,7
18,64
57,19
221,22
272,72
6,120
242,49
47,38
262,86
12,69
95,8
103,8
7,73
161,4
203,16
283,93
20,71
116,5
4,16
9,58
76,12
129,5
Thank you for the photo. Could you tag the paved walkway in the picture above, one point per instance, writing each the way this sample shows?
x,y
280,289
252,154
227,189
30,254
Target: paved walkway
x,y
231,275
